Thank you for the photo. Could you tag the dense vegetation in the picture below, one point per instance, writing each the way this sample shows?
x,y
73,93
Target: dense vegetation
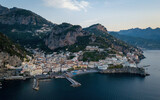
x,y
115,66
21,26
94,56
104,42
6,45
23,37
18,13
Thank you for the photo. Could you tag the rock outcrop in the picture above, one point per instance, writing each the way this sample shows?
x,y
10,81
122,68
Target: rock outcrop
x,y
63,35
97,29
7,59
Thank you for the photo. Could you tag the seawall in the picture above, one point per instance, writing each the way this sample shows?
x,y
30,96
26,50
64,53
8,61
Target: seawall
x,y
126,70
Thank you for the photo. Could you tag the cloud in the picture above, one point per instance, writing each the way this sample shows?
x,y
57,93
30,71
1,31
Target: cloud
x,y
68,4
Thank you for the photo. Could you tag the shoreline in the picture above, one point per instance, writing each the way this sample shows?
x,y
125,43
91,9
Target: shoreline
x,y
125,70
83,72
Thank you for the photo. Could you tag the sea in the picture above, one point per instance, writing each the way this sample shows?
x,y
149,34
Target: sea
x,y
94,86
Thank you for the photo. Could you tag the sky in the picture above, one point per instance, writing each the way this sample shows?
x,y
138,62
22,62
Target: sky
x,y
115,15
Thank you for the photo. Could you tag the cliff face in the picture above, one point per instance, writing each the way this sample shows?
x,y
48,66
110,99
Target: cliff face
x,y
6,58
63,35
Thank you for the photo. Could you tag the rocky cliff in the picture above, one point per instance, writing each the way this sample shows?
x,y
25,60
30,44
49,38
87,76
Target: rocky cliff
x,y
6,58
63,35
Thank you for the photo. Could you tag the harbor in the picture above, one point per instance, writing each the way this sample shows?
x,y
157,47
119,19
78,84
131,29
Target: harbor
x,y
69,75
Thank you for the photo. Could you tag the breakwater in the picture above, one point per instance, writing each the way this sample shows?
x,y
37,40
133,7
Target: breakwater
x,y
35,84
15,78
127,70
73,82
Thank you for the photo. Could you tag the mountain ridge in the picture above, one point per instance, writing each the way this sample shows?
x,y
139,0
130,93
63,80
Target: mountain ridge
x,y
147,33
57,36
24,26
147,38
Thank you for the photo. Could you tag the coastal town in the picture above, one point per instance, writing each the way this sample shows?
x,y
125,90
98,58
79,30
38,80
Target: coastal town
x,y
67,65
42,63
61,62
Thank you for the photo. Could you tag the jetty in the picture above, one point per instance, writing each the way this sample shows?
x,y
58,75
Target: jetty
x,y
35,84
73,82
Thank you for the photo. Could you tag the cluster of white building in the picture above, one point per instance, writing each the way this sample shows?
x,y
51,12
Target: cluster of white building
x,y
42,64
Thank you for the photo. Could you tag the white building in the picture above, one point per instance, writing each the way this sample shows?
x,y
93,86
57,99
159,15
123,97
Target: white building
x,y
63,69
36,72
132,65
103,67
92,65
56,69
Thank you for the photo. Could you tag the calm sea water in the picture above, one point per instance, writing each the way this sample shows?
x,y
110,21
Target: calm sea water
x,y
94,86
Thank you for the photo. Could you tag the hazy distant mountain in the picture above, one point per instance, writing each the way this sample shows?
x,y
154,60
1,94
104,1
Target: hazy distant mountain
x,y
148,33
145,38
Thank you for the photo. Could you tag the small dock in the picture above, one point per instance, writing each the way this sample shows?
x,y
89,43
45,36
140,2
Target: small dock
x,y
74,83
35,84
